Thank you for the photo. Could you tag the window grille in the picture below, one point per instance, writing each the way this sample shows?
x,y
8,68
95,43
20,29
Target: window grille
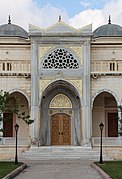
x,y
60,59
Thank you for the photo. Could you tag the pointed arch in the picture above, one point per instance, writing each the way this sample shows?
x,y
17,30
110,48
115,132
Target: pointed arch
x,y
53,91
62,83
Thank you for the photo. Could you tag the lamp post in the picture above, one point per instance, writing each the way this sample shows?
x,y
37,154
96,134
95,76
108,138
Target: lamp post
x,y
16,130
101,129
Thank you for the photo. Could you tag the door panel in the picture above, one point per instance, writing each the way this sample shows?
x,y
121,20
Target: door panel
x,y
60,130
112,125
8,125
55,126
66,131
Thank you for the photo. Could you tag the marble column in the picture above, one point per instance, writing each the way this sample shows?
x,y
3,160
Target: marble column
x,y
34,89
86,94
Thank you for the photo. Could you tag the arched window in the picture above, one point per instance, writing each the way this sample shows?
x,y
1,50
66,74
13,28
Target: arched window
x,y
60,59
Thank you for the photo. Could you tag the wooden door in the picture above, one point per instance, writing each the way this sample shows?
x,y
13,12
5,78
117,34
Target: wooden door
x,y
60,129
8,125
112,125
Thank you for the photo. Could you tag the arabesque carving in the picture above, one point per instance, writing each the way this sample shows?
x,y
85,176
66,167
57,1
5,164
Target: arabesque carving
x,y
43,85
77,84
78,51
60,101
42,51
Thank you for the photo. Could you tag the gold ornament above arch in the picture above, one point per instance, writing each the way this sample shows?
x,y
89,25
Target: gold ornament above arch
x,y
60,101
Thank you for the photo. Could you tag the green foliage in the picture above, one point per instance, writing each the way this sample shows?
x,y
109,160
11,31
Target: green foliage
x,y
112,168
120,120
7,167
8,104
25,118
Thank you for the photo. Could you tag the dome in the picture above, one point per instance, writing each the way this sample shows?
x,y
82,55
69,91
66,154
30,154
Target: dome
x,y
12,30
108,30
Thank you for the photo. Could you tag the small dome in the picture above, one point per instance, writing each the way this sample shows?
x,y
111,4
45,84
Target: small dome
x,y
108,30
12,30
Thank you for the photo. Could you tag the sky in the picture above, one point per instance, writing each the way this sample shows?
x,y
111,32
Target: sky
x,y
77,13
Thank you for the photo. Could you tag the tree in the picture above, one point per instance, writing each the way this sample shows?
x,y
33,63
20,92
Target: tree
x,y
9,104
120,121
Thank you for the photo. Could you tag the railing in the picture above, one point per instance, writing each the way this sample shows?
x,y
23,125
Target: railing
x,y
107,141
14,66
106,66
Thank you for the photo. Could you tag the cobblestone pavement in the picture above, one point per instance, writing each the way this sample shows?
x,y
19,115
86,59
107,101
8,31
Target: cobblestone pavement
x,y
59,169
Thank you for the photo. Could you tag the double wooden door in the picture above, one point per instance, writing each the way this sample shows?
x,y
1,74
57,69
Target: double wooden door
x,y
60,129
112,125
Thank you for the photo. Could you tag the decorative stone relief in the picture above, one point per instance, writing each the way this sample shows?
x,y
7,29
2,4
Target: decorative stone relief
x,y
42,51
78,51
43,85
57,111
77,84
60,101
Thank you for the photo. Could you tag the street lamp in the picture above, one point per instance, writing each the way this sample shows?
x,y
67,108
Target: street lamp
x,y
101,129
16,157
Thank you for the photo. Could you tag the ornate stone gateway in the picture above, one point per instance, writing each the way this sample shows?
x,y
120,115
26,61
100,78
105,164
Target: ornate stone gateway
x,y
60,115
60,129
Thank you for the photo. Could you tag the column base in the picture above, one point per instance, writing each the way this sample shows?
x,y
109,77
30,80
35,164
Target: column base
x,y
86,143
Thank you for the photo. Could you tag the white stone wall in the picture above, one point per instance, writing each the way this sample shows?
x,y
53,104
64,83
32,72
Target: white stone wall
x,y
17,52
11,84
14,53
107,83
105,50
14,84
106,53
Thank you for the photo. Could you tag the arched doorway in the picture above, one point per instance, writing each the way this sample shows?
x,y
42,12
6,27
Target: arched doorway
x,y
60,111
105,111
10,119
60,121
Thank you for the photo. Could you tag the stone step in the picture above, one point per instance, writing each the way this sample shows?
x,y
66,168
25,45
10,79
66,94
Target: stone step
x,y
61,152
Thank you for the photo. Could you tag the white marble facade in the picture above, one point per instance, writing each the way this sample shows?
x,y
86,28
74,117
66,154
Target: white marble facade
x,y
74,65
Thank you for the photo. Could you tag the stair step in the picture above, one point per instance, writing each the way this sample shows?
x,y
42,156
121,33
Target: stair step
x,y
59,152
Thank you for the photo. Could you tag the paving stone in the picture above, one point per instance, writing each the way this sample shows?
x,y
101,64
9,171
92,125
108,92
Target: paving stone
x,y
59,169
